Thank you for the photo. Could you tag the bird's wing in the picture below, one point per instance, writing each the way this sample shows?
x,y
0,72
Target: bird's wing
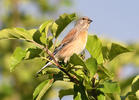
x,y
68,38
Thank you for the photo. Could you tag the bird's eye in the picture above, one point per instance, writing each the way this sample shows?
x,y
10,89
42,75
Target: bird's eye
x,y
83,18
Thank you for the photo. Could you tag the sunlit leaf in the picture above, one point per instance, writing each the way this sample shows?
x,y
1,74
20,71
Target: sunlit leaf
x,y
16,33
62,22
65,92
135,84
33,52
104,73
6,34
109,87
54,91
23,33
44,28
78,97
131,96
76,60
41,89
116,50
16,57
91,65
94,47
101,97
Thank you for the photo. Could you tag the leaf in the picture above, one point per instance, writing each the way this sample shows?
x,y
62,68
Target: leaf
x,y
23,33
105,52
101,97
62,22
16,58
131,96
94,47
57,86
78,97
16,33
116,50
51,70
36,36
33,52
91,65
41,89
109,87
80,92
104,73
44,28
135,84
76,60
63,93
5,34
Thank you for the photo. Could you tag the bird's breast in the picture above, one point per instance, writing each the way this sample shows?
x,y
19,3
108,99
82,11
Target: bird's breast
x,y
75,46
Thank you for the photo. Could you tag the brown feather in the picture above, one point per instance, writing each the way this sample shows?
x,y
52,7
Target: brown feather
x,y
69,36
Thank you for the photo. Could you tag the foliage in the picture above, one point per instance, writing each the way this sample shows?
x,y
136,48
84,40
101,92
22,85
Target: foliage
x,y
87,78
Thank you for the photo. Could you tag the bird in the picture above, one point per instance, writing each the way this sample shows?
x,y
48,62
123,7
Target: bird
x,y
74,42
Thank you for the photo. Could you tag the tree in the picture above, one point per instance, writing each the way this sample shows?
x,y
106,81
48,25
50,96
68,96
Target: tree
x,y
84,78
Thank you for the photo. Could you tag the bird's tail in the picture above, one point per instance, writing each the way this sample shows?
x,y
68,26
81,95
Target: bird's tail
x,y
48,64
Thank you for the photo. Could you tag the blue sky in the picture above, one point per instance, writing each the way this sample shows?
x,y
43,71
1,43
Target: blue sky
x,y
115,19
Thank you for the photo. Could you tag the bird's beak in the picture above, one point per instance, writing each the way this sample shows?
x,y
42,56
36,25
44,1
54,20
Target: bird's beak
x,y
89,20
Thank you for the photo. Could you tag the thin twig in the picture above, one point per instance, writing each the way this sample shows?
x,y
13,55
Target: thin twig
x,y
48,60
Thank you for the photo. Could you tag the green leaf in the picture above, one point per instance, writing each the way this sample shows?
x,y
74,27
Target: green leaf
x,y
78,97
44,28
131,96
33,52
65,92
16,57
16,33
5,34
76,60
105,52
41,89
116,50
62,22
54,28
101,97
51,70
80,92
94,47
109,87
104,73
91,65
57,86
135,84
23,33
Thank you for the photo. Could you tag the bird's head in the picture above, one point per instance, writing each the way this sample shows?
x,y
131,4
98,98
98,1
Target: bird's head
x,y
83,22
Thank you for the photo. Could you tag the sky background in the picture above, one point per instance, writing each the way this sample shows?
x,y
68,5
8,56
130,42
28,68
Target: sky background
x,y
114,19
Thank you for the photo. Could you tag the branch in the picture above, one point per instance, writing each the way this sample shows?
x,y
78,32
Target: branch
x,y
73,79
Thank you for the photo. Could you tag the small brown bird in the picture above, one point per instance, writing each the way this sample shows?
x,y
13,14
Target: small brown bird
x,y
74,42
